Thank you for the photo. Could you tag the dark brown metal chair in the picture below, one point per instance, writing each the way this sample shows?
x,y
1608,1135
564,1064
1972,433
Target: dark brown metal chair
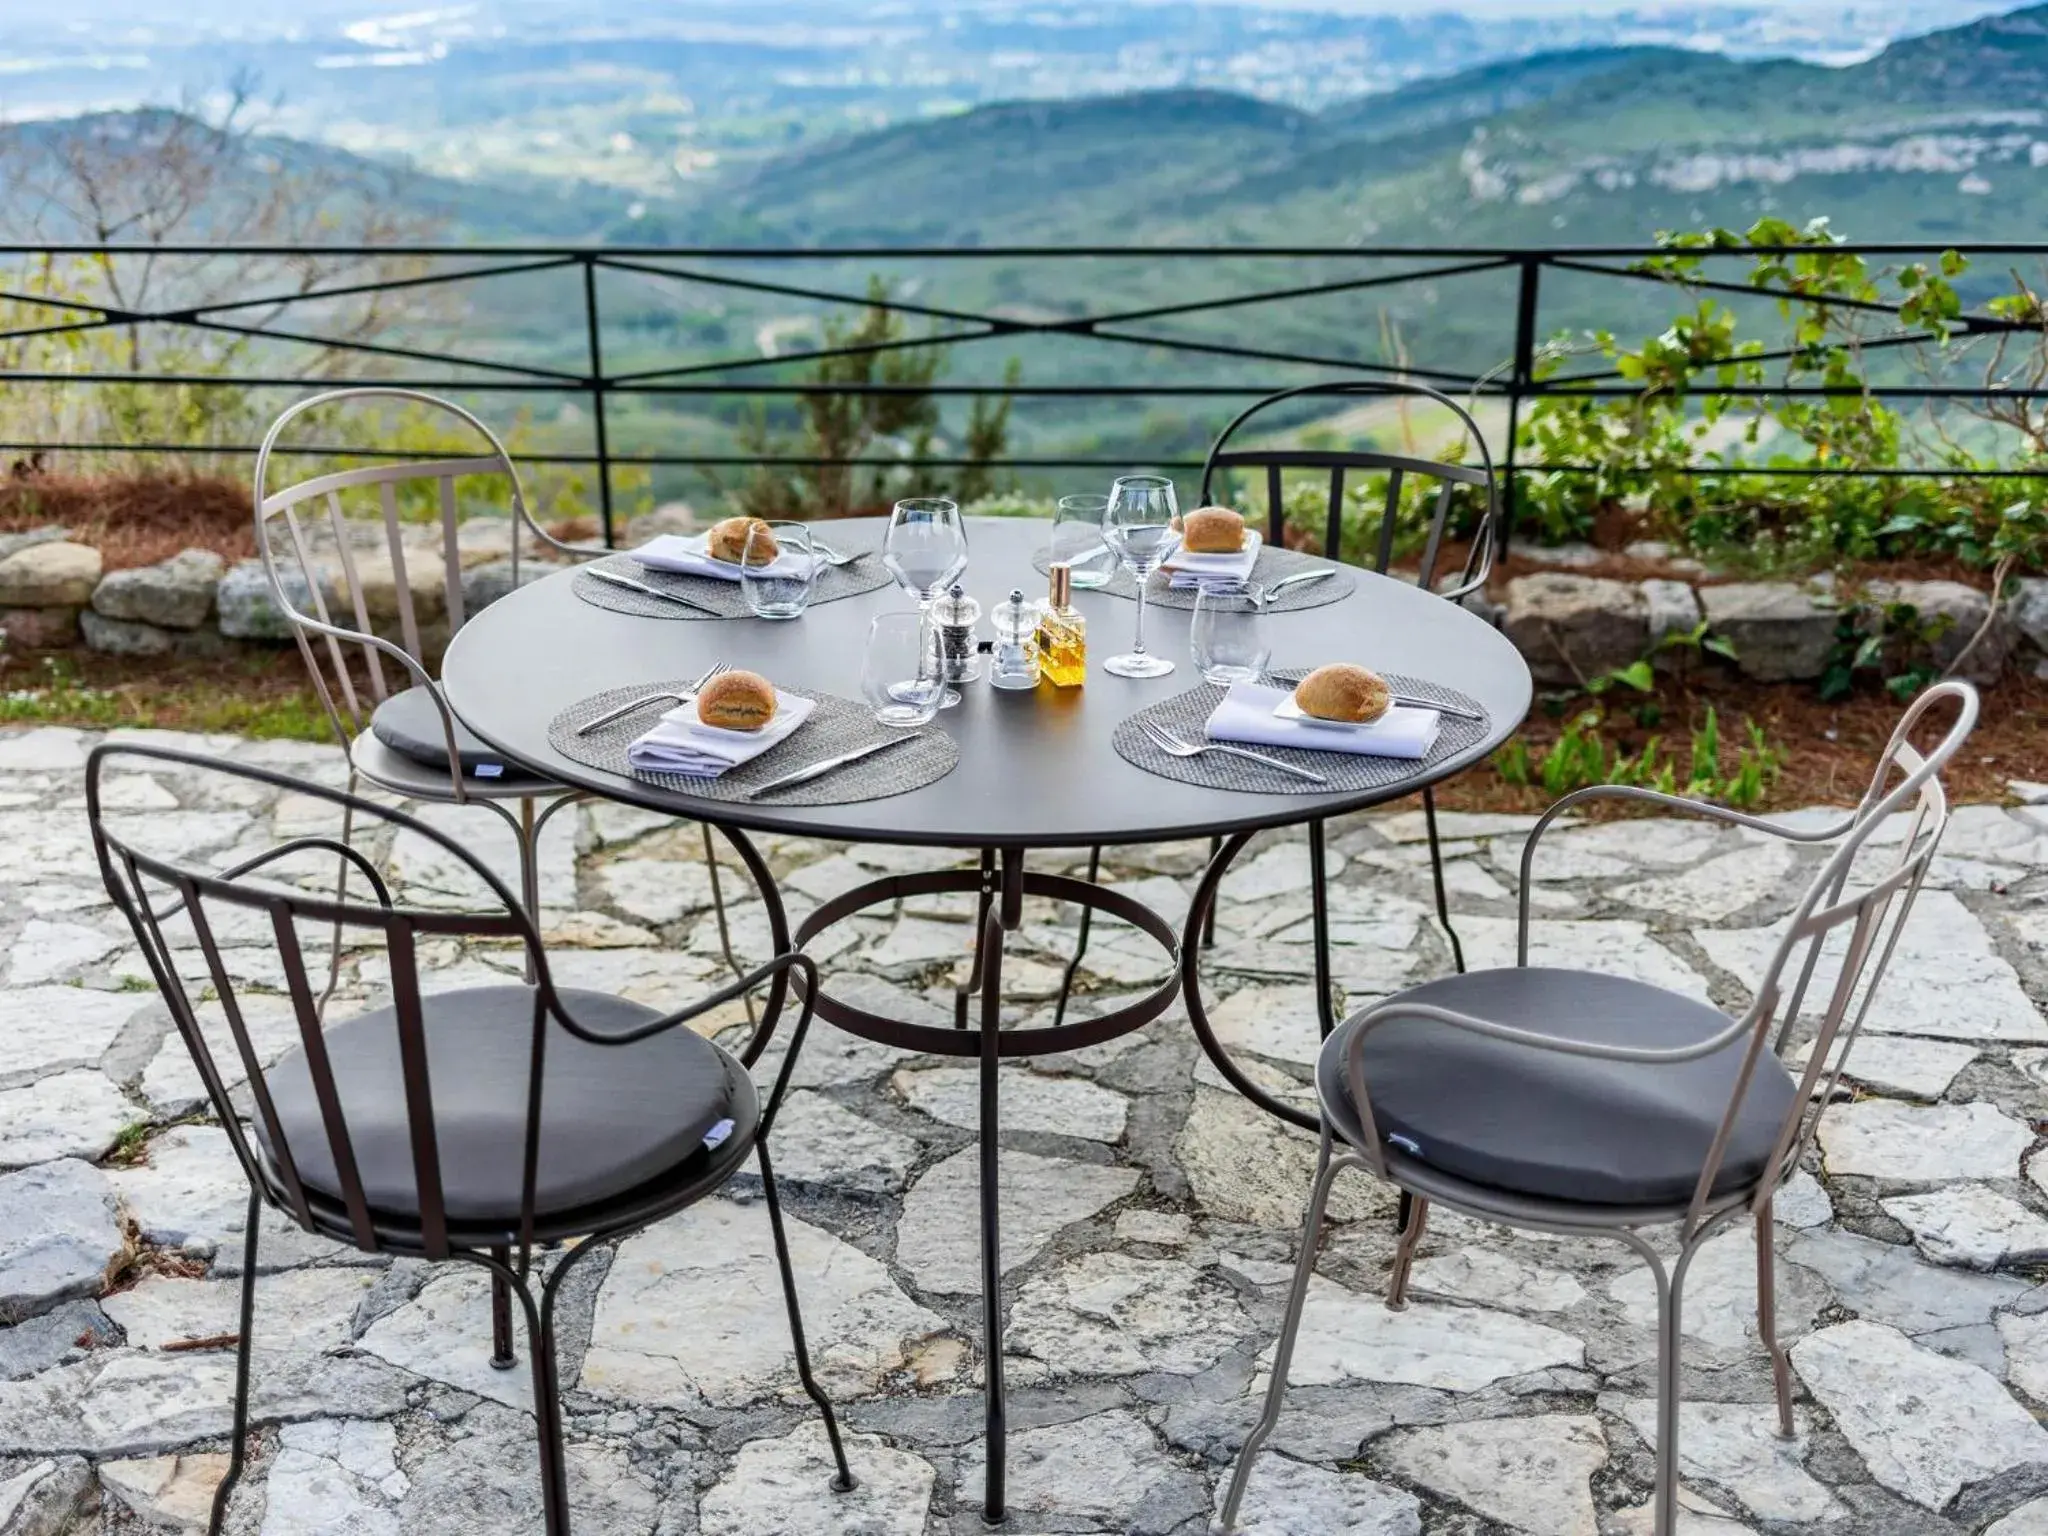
x,y
476,1125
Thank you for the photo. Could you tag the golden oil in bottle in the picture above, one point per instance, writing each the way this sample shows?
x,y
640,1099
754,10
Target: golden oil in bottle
x,y
1062,632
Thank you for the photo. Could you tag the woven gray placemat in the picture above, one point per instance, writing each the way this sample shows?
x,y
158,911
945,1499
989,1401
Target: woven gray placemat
x,y
836,725
1270,567
725,598
1185,715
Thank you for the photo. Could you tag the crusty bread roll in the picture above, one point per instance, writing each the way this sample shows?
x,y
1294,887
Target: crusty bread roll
x,y
1341,691
1212,531
737,701
727,541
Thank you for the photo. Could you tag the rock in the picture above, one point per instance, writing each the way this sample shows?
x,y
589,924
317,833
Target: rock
x,y
1531,1474
1618,946
304,1310
1673,608
778,1486
191,1195
1718,1303
2027,607
1490,1278
1243,1165
1959,611
58,1234
486,537
1065,1106
2031,1518
45,1497
1347,1337
1159,1229
1899,1064
176,594
669,517
74,1114
2026,1352
426,579
483,585
1575,627
1972,1226
334,1475
938,1241
656,890
53,1029
817,1141
57,574
61,1336
1780,631
1922,1143
46,749
50,533
174,1492
1110,1314
118,637
1714,891
482,1482
1888,1283
692,1314
1964,1426
39,629
47,951
1102,1469
1736,1445
247,609
1288,1498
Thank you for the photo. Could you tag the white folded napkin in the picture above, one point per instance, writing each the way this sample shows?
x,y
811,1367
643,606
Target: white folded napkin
x,y
680,743
682,555
1246,715
1192,570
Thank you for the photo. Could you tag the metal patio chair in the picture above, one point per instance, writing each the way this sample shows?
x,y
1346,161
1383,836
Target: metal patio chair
x,y
477,1125
1273,462
348,659
1572,1102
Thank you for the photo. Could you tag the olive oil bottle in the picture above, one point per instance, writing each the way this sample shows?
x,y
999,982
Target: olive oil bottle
x,y
1062,632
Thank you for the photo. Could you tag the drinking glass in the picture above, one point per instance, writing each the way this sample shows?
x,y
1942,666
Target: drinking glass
x,y
1227,638
900,674
1077,539
925,549
778,587
1141,525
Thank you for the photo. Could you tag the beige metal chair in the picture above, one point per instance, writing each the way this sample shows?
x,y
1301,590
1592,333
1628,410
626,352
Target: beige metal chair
x,y
363,676
1572,1102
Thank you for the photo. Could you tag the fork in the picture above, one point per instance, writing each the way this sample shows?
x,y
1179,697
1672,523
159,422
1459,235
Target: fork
x,y
1174,746
645,699
832,557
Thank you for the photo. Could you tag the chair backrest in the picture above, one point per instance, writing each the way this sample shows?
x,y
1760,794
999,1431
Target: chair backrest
x,y
291,890
1398,469
1849,919
347,658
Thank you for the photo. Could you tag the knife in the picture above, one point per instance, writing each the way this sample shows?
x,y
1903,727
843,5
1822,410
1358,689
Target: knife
x,y
645,590
819,770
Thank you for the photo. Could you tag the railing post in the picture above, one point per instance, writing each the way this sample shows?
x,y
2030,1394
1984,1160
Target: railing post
x,y
1520,382
597,397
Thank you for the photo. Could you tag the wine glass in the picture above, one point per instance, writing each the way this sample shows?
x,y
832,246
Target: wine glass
x,y
1141,523
925,549
900,673
1077,539
1227,636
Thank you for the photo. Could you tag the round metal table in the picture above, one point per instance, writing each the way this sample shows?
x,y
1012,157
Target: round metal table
x,y
1036,770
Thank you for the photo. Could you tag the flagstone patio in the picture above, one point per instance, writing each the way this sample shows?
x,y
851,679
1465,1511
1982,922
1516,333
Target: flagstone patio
x,y
1151,1223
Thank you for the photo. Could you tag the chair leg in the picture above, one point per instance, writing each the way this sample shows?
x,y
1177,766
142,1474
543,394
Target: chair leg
x,y
237,1447
502,1356
529,873
1436,870
1767,1318
1059,1012
1415,1216
1290,1326
844,1482
718,911
547,1401
1670,1349
348,821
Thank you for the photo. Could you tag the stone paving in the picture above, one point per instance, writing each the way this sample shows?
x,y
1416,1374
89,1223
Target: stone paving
x,y
1151,1225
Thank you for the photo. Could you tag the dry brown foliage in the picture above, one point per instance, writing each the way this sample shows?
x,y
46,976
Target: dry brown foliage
x,y
134,519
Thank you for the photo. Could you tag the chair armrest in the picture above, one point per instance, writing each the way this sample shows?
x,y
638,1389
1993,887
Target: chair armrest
x,y
1680,803
1478,563
791,960
1397,1008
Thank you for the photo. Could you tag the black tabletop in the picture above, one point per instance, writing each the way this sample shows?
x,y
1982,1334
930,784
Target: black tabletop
x,y
1037,769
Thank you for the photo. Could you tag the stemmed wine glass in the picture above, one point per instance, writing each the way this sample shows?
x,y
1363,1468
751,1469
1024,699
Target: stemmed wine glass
x,y
925,549
1141,525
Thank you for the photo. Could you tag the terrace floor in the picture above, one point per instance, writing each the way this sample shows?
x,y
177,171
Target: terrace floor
x,y
1151,1226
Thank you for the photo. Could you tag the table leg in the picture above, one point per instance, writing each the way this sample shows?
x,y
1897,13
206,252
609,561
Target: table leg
x,y
1319,903
972,984
1059,1013
1006,917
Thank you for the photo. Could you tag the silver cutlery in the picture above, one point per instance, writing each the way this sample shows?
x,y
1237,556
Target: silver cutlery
x,y
649,591
1412,702
833,557
1174,746
819,770
1298,579
645,699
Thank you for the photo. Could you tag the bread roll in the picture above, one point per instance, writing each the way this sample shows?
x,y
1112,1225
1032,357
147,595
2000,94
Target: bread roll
x,y
737,701
1212,531
1341,691
727,541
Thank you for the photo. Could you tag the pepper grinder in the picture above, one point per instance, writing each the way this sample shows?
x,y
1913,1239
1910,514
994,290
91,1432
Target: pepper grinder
x,y
1015,663
955,615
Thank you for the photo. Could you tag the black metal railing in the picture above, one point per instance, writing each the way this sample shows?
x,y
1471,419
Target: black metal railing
x,y
1505,341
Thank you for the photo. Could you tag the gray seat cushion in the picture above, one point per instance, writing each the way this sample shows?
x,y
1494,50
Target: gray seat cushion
x,y
410,724
612,1116
1536,1122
